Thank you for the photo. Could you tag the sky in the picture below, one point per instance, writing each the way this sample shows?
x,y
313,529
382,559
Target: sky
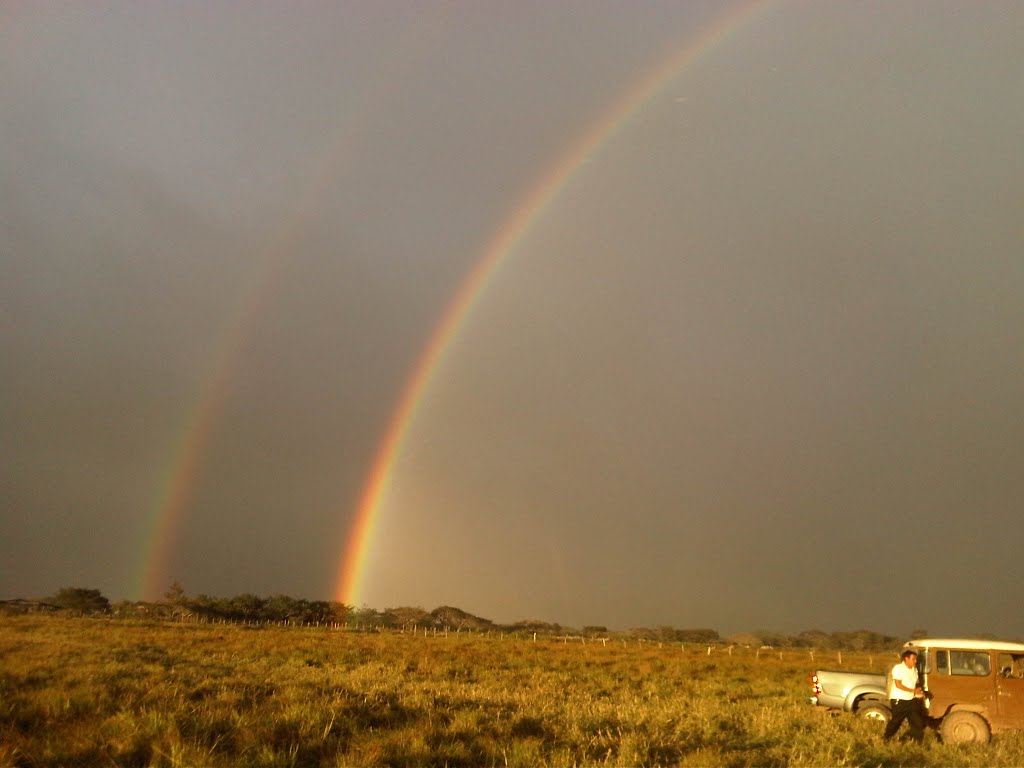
x,y
692,314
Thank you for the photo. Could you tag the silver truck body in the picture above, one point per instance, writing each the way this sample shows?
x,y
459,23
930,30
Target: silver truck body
x,y
848,691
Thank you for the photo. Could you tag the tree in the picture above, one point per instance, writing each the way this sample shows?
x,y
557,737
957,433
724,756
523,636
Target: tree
x,y
339,612
80,600
771,639
458,619
176,600
318,611
814,638
247,607
406,616
175,594
698,636
282,608
364,615
863,640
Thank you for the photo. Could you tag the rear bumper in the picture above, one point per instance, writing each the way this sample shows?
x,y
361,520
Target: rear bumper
x,y
829,702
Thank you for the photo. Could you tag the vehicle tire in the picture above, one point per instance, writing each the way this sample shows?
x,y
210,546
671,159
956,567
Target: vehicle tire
x,y
960,727
872,710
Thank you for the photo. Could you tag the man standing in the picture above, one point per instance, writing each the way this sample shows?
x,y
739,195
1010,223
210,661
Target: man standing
x,y
905,696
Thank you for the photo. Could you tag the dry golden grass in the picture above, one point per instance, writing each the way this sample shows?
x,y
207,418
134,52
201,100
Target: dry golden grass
x,y
123,693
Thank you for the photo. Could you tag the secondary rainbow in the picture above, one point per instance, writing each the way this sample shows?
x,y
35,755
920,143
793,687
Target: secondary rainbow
x,y
178,484
513,229
179,481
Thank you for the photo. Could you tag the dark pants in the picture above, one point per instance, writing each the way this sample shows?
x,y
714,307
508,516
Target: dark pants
x,y
909,711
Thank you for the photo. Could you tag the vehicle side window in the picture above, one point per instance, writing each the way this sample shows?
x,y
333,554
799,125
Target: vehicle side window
x,y
1011,665
969,663
942,662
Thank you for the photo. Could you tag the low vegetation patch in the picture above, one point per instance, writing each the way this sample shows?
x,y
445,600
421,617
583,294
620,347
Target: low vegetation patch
x,y
97,691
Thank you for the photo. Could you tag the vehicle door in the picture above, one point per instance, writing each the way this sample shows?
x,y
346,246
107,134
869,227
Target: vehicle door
x,y
1010,686
961,677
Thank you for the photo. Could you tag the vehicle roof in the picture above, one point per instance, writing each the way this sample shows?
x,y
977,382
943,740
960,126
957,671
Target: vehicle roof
x,y
965,644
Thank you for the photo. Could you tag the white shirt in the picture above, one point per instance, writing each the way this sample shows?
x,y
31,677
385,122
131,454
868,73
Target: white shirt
x,y
907,676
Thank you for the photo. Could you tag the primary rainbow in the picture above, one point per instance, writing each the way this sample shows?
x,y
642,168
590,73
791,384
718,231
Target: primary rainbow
x,y
513,229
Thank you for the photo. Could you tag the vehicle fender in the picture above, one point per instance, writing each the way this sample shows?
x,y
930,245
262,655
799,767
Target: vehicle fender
x,y
864,692
976,708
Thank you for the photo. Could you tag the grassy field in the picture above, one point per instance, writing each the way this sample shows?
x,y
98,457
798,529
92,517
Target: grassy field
x,y
81,692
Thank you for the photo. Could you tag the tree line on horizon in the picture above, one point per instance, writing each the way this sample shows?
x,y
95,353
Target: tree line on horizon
x,y
250,608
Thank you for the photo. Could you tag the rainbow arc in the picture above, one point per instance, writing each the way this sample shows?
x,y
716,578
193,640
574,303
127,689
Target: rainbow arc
x,y
517,225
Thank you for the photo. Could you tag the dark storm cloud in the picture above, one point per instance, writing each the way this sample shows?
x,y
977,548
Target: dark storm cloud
x,y
762,353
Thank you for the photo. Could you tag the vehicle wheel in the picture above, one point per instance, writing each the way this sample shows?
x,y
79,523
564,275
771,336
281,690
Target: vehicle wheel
x,y
872,710
959,727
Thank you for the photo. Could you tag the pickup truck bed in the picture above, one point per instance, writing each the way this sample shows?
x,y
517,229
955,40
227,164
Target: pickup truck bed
x,y
859,692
